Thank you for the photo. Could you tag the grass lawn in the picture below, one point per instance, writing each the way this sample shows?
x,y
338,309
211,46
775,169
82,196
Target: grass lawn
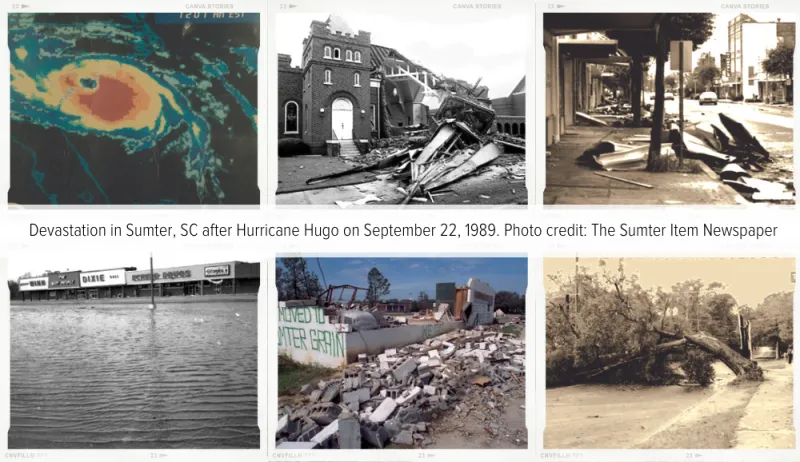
x,y
293,375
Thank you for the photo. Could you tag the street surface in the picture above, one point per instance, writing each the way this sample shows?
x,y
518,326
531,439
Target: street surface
x,y
772,126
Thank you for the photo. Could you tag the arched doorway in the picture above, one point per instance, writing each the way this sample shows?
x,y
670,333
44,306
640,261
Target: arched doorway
x,y
342,118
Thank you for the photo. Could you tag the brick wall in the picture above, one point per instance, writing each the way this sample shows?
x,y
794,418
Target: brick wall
x,y
319,95
290,88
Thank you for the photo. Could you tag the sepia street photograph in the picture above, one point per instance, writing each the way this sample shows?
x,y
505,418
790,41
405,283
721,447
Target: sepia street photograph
x,y
669,108
371,114
669,353
133,351
401,353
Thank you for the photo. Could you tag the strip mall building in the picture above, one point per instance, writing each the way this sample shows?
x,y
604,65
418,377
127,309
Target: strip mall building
x,y
227,278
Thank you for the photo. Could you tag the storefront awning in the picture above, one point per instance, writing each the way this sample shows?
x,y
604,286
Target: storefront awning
x,y
588,48
576,23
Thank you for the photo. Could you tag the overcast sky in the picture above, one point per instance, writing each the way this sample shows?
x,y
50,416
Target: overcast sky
x,y
748,280
39,262
463,46
718,43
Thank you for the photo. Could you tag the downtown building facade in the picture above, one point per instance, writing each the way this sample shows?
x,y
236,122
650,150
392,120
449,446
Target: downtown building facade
x,y
226,278
749,41
348,91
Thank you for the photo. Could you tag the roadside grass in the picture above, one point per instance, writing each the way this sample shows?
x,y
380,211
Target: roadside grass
x,y
512,329
293,375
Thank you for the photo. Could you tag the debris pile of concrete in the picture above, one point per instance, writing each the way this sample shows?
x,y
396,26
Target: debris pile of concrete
x,y
397,397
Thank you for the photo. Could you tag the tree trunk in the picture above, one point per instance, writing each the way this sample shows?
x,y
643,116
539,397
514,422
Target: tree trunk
x,y
741,366
636,89
658,107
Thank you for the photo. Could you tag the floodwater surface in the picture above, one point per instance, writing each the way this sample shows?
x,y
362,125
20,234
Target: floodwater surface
x,y
180,377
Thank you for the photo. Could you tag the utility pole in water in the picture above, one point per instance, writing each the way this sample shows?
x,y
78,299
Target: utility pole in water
x,y
152,292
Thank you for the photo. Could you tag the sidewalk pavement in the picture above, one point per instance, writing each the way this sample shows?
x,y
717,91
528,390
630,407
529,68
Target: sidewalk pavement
x,y
768,421
571,183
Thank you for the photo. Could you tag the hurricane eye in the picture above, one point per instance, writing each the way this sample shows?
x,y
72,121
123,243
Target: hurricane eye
x,y
89,83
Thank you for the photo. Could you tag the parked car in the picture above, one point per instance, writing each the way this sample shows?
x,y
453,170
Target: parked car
x,y
708,97
669,96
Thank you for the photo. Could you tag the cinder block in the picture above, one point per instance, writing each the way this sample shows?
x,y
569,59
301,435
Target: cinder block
x,y
310,433
384,411
409,396
404,438
324,437
297,445
404,369
374,434
324,413
330,393
349,433
409,415
359,396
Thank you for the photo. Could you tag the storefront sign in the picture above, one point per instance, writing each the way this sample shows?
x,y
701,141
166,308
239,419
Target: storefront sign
x,y
217,271
181,274
30,284
68,280
105,278
164,276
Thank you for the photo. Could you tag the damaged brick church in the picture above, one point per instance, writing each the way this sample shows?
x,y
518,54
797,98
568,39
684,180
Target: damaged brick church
x,y
348,88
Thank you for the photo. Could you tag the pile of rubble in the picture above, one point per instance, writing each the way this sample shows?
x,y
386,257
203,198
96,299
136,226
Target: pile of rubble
x,y
397,396
729,149
457,147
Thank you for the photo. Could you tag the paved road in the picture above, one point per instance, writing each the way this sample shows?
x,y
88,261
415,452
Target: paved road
x,y
771,125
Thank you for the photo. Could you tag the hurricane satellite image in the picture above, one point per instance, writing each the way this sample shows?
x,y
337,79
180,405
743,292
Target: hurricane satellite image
x,y
134,108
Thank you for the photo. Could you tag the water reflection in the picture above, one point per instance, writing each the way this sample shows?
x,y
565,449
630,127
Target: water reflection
x,y
131,377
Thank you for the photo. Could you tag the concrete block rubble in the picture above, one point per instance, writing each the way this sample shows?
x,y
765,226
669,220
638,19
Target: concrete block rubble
x,y
728,148
427,161
399,397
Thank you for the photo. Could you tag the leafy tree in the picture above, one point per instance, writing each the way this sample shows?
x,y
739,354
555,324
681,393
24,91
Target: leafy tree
x,y
295,281
618,331
13,289
772,321
706,74
378,286
619,81
780,61
671,82
509,302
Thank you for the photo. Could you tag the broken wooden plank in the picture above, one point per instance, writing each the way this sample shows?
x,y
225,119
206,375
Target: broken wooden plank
x,y
611,177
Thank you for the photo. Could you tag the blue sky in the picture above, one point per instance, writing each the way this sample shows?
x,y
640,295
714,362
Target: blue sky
x,y
409,276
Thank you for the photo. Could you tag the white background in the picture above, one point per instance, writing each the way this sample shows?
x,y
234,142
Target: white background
x,y
17,242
